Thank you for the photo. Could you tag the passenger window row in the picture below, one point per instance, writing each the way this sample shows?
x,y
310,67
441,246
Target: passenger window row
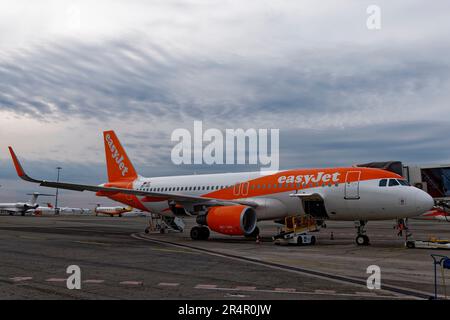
x,y
253,187
195,188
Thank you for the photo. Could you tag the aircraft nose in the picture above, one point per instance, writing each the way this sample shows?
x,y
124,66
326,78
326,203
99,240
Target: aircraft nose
x,y
424,201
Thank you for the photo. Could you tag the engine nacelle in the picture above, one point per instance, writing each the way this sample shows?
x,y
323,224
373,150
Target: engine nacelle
x,y
231,220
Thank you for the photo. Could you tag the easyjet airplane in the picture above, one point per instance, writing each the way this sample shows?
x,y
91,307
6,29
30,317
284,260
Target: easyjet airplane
x,y
232,203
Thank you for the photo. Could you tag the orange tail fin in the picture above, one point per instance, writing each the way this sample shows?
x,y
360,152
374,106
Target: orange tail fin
x,y
118,164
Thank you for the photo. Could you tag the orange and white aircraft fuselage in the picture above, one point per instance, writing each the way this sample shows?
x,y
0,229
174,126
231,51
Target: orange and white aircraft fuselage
x,y
232,203
355,193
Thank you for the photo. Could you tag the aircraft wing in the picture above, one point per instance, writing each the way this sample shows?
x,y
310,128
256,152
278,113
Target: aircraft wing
x,y
113,190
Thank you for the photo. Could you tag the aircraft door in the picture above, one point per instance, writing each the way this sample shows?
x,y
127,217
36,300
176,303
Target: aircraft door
x,y
352,185
241,189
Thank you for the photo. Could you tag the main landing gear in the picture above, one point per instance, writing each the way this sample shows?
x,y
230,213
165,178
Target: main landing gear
x,y
199,233
254,234
361,238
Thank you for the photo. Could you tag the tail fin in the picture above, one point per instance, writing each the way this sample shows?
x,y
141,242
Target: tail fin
x,y
49,205
35,195
118,164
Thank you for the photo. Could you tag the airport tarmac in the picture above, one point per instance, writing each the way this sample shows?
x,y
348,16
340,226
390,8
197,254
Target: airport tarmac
x,y
119,261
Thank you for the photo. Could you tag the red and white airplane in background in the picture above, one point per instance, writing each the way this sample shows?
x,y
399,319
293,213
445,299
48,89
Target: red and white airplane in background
x,y
44,210
439,213
112,211
232,203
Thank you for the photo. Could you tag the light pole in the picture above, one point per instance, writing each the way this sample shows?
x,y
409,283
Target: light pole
x,y
56,200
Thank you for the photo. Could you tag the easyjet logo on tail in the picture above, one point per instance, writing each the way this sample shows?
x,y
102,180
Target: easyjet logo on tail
x,y
116,155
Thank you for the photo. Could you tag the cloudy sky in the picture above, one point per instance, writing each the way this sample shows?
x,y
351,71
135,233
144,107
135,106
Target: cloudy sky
x,y
339,93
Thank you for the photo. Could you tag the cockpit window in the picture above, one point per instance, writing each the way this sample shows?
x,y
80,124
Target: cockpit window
x,y
403,182
393,182
383,183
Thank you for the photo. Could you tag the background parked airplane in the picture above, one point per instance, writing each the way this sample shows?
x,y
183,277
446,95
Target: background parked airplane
x,y
112,211
23,207
441,212
50,210
232,203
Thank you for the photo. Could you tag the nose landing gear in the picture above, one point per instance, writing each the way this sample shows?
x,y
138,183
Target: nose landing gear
x,y
361,239
402,226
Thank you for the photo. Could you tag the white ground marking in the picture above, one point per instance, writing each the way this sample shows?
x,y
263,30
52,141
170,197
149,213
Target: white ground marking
x,y
285,289
325,291
293,291
230,295
245,288
205,286
168,284
18,279
132,283
56,280
93,281
366,293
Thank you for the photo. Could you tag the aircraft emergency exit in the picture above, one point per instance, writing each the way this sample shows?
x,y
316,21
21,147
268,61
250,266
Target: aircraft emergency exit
x,y
232,203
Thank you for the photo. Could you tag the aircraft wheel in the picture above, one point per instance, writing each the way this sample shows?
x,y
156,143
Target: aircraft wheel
x,y
146,230
362,240
410,244
313,240
120,215
204,233
254,234
196,233
299,241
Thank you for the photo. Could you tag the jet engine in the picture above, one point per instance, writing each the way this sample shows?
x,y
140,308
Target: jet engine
x,y
232,220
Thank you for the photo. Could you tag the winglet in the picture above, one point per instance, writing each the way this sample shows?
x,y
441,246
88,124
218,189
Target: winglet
x,y
20,172
19,169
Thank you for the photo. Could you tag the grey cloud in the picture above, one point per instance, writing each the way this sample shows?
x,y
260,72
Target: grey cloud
x,y
134,79
419,142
